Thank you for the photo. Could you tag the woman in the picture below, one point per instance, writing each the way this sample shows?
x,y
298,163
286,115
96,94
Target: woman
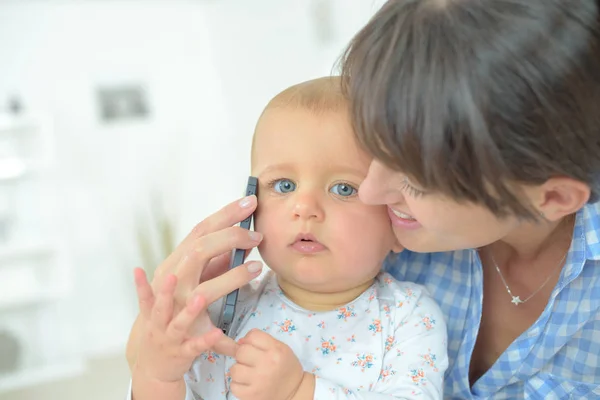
x,y
483,120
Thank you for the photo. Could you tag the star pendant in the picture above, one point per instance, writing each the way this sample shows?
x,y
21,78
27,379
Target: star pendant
x,y
516,300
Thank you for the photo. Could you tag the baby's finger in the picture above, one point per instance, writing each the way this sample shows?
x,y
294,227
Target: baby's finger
x,y
182,322
163,306
195,346
241,374
226,346
241,391
259,339
144,293
248,355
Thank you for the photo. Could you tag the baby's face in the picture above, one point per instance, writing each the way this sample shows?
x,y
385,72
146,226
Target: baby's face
x,y
317,234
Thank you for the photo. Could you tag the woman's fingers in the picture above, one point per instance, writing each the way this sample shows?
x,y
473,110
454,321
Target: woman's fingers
x,y
227,216
144,291
229,281
218,266
210,246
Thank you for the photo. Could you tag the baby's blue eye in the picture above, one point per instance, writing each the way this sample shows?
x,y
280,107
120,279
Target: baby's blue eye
x,y
343,189
284,186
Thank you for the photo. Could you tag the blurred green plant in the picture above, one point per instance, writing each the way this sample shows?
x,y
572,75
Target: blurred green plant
x,y
154,234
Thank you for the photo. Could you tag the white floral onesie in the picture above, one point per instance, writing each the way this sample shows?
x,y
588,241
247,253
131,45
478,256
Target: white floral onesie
x,y
389,343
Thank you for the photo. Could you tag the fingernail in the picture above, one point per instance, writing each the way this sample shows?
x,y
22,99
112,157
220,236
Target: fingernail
x,y
246,202
256,236
254,267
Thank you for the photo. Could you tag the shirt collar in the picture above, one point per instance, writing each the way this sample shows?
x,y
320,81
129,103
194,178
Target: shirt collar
x,y
587,225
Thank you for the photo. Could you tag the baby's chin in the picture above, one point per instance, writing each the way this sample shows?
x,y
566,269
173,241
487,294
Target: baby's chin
x,y
323,283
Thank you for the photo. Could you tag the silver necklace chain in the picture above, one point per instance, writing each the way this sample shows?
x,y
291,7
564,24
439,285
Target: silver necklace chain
x,y
516,300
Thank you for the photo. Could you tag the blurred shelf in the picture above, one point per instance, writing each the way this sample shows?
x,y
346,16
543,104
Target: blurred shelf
x,y
11,122
26,145
44,374
12,168
25,250
31,299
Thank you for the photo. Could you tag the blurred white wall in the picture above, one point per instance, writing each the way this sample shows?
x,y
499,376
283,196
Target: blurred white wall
x,y
209,66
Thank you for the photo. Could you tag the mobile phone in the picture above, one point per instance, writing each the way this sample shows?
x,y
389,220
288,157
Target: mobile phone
x,y
237,259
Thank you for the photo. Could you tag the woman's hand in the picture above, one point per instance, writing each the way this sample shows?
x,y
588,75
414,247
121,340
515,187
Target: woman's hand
x,y
200,264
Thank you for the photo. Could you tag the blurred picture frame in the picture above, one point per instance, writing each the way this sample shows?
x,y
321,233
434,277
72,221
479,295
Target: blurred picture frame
x,y
123,102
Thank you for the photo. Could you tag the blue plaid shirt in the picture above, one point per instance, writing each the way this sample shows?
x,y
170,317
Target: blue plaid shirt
x,y
558,357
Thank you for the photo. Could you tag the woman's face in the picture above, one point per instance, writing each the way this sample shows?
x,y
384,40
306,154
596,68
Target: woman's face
x,y
430,222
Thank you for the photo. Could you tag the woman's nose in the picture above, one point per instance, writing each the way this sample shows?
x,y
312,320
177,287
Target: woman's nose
x,y
381,185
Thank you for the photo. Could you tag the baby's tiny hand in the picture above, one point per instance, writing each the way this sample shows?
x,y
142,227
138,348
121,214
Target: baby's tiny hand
x,y
167,350
266,369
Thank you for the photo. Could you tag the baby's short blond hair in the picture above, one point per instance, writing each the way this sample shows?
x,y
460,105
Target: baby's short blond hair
x,y
318,96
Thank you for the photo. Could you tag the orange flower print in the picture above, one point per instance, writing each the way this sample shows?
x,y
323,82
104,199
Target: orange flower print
x,y
352,339
430,360
386,372
387,310
210,356
228,377
254,312
375,326
427,322
346,312
409,294
388,280
363,361
372,295
347,391
286,326
417,376
327,346
390,342
321,325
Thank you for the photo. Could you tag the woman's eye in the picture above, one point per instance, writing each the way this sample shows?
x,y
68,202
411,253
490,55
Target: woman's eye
x,y
343,189
410,189
284,186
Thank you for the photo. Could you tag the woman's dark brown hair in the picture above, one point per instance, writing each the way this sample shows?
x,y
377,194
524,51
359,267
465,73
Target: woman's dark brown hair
x,y
469,97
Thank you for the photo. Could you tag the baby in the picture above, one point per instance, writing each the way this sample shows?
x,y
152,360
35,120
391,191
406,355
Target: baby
x,y
325,322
